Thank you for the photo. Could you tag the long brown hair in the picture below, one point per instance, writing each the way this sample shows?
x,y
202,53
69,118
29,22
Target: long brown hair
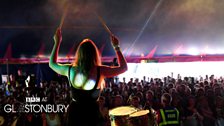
x,y
87,56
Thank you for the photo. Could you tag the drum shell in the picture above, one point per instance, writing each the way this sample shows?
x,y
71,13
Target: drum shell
x,y
140,120
119,121
119,116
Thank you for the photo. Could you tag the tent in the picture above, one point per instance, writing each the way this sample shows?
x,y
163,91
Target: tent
x,y
148,30
153,28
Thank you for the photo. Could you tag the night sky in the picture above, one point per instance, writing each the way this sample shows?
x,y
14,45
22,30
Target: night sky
x,y
173,26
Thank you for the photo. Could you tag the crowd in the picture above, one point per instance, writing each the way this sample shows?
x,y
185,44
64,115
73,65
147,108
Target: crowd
x,y
199,102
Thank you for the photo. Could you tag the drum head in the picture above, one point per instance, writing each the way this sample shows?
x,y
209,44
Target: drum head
x,y
139,113
122,111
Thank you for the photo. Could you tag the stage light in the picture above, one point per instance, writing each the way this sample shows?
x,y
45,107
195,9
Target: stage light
x,y
178,51
212,51
193,51
208,51
22,56
143,61
185,69
40,56
220,51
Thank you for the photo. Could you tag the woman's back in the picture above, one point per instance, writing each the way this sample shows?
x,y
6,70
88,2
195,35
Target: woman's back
x,y
52,119
85,92
84,87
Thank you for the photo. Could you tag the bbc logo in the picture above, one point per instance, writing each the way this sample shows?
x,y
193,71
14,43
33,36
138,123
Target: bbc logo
x,y
32,99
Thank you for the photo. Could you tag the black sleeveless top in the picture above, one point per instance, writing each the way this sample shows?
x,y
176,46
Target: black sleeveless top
x,y
80,95
84,110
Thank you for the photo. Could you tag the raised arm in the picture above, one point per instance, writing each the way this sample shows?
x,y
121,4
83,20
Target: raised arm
x,y
57,67
110,71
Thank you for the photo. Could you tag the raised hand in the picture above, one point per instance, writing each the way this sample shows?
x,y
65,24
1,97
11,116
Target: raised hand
x,y
114,41
58,36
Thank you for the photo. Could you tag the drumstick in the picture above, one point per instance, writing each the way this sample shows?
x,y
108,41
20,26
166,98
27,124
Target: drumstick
x,y
63,15
104,24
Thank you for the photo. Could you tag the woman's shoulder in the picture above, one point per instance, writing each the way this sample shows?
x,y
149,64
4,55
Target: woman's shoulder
x,y
74,67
